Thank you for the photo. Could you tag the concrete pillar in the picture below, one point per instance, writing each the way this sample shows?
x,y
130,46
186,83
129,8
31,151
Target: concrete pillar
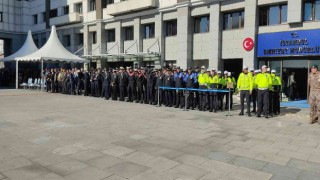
x,y
119,36
184,38
295,11
86,49
101,40
159,33
215,36
250,30
138,36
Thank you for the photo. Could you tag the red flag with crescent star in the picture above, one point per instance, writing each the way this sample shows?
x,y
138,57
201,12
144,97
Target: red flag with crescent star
x,y
248,44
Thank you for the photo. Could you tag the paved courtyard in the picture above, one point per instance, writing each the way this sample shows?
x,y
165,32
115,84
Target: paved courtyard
x,y
52,136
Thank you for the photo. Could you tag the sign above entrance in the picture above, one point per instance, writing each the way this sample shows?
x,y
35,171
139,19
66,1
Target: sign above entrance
x,y
291,43
248,44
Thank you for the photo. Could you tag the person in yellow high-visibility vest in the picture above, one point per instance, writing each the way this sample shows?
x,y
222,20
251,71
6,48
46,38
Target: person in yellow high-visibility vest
x,y
214,85
203,80
276,83
264,83
230,79
245,86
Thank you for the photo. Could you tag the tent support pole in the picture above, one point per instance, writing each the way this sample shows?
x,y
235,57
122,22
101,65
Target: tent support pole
x,y
42,75
17,74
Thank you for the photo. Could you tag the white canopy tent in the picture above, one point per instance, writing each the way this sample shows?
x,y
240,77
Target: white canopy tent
x,y
28,48
53,50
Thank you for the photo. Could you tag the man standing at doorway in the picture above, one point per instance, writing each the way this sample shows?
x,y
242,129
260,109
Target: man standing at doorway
x,y
314,97
263,82
292,86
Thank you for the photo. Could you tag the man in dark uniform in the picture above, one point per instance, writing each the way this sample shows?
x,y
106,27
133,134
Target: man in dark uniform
x,y
159,82
178,83
106,85
72,82
131,86
86,83
189,81
98,83
80,82
144,85
92,85
48,81
168,82
114,84
122,83
150,86
138,78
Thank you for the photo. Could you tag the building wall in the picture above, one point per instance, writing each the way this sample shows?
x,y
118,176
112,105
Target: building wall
x,y
186,48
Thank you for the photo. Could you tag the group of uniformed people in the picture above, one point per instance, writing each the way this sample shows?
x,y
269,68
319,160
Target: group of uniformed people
x,y
142,85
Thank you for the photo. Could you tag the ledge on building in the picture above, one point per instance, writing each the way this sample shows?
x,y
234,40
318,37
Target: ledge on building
x,y
130,6
66,19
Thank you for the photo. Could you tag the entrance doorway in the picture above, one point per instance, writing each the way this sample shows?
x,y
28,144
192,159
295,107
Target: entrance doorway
x,y
300,91
233,65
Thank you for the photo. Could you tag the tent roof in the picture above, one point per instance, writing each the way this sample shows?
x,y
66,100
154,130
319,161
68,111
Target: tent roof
x,y
53,50
28,48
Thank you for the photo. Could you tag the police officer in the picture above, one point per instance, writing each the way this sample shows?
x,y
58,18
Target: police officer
x,y
254,93
150,86
263,82
314,96
86,83
131,90
203,80
230,79
168,81
159,82
178,83
214,85
114,85
276,83
189,82
244,85
106,85
122,83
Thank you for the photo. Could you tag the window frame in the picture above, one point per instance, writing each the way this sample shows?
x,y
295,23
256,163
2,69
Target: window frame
x,y
267,10
171,23
151,36
35,18
79,7
113,39
66,10
94,37
313,10
199,18
241,19
92,5
126,31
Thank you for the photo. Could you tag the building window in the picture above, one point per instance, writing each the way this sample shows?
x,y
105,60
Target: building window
x,y
111,35
80,39
65,10
44,17
201,24
53,13
312,10
94,37
92,5
1,17
109,2
67,40
149,31
171,28
272,15
35,19
79,8
128,33
233,20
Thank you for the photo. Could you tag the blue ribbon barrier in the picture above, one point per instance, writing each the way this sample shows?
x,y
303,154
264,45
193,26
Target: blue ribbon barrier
x,y
193,89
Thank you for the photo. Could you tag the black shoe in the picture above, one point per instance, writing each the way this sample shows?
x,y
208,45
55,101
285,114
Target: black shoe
x,y
215,111
253,111
192,108
249,115
267,116
210,110
241,114
258,115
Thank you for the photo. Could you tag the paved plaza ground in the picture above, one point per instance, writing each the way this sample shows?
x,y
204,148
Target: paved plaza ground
x,y
53,137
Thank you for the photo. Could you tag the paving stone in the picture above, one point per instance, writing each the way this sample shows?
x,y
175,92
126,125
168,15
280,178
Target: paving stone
x,y
67,150
218,167
309,175
265,149
294,154
127,169
281,170
220,156
146,147
241,144
26,172
167,153
104,162
154,175
138,157
190,159
88,173
248,163
49,176
277,177
219,147
67,167
86,155
14,163
162,164
276,159
128,143
244,152
114,177
118,151
303,165
249,174
186,171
